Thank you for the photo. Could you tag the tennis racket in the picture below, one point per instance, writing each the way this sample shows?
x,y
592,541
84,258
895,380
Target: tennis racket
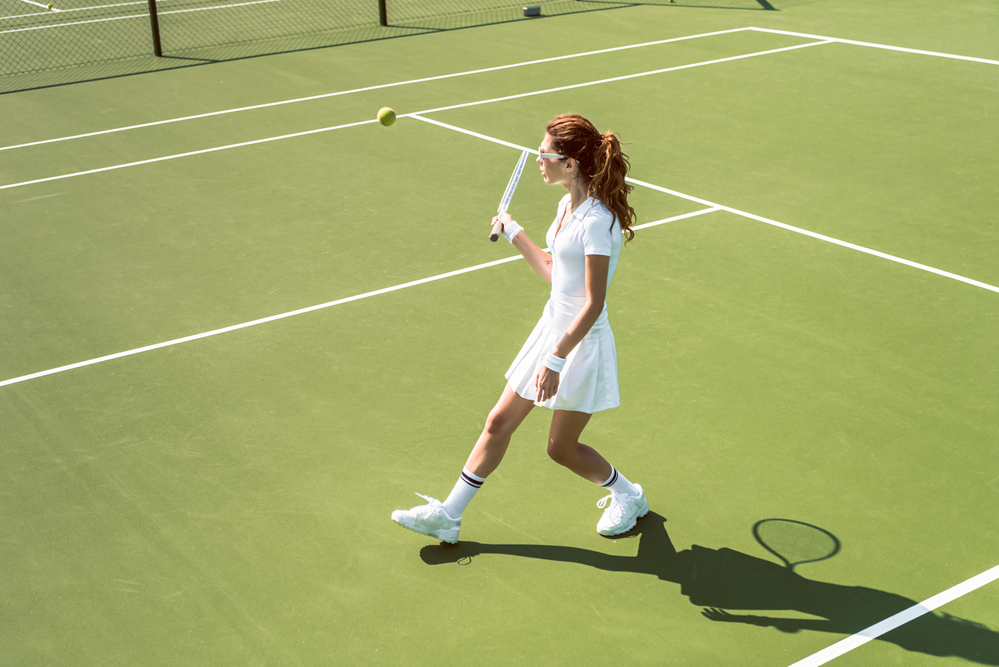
x,y
511,187
795,542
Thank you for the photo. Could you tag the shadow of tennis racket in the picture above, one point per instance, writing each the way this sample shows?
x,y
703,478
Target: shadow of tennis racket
x,y
795,542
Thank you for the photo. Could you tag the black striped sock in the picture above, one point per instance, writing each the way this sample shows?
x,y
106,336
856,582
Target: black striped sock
x,y
618,483
462,493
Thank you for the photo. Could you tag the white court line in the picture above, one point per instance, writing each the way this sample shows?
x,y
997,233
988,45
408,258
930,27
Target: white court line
x,y
898,620
872,45
78,9
821,237
203,151
301,311
135,16
417,113
62,25
377,87
202,9
478,71
417,116
744,214
624,77
119,4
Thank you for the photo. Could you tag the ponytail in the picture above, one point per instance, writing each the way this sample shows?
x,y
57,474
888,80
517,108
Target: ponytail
x,y
601,160
607,182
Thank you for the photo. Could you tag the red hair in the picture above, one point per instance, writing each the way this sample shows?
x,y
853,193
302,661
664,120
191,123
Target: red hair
x,y
600,160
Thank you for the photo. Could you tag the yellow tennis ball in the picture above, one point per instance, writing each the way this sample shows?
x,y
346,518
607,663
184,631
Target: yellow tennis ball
x,y
386,116
48,6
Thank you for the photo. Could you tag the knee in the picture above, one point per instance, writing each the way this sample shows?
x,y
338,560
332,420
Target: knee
x,y
559,452
499,424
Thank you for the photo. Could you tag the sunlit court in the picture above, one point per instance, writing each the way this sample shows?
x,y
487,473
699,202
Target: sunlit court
x,y
243,322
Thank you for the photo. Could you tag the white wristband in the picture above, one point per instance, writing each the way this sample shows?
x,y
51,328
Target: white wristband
x,y
510,230
554,363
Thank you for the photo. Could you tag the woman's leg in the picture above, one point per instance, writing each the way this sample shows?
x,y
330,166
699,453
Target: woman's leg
x,y
443,520
506,416
565,448
628,503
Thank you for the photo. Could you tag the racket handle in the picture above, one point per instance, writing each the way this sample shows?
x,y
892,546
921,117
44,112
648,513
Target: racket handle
x,y
497,230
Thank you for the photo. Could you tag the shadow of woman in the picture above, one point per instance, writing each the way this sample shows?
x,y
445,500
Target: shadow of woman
x,y
725,579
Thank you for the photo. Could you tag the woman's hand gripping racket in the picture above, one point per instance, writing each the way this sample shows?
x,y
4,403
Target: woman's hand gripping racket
x,y
511,187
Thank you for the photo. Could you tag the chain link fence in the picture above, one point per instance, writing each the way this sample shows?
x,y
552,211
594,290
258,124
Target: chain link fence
x,y
44,44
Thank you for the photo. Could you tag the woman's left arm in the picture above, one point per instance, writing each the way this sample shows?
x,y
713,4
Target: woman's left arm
x,y
597,267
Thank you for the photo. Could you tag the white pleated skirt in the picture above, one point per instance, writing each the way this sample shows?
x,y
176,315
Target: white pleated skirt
x,y
588,381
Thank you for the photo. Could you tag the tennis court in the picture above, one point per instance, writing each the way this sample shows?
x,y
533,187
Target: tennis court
x,y
243,323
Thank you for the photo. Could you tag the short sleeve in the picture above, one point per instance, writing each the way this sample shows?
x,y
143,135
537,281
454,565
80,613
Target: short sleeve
x,y
597,231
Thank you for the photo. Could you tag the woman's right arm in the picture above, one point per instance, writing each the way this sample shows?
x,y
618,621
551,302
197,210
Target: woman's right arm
x,y
539,260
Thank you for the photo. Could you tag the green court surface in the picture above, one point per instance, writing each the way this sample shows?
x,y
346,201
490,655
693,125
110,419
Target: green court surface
x,y
808,335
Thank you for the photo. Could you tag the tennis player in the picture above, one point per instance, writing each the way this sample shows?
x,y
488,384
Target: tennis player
x,y
569,362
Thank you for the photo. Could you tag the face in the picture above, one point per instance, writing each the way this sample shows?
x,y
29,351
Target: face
x,y
554,170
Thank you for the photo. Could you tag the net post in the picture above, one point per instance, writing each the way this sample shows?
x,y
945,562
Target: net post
x,y
382,13
154,23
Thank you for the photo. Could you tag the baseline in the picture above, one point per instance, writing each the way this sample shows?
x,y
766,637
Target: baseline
x,y
302,311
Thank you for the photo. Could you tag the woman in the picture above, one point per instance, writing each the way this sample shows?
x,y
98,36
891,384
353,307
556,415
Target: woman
x,y
569,362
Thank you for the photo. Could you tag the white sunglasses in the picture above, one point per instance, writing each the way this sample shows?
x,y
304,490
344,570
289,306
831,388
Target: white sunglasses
x,y
549,156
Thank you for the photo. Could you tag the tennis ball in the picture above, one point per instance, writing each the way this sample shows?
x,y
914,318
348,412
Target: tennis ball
x,y
48,6
386,116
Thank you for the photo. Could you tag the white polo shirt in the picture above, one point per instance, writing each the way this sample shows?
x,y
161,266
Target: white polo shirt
x,y
592,229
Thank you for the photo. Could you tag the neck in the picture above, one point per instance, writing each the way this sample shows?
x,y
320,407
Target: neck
x,y
577,192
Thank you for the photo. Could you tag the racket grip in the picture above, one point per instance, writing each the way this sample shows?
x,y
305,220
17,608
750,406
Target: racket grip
x,y
495,233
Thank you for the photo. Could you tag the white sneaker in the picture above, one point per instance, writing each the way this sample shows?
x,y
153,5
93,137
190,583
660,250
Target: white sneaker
x,y
431,520
623,513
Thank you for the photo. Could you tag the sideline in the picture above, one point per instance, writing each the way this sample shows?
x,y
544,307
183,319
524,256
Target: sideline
x,y
243,144
378,87
744,214
846,645
302,311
